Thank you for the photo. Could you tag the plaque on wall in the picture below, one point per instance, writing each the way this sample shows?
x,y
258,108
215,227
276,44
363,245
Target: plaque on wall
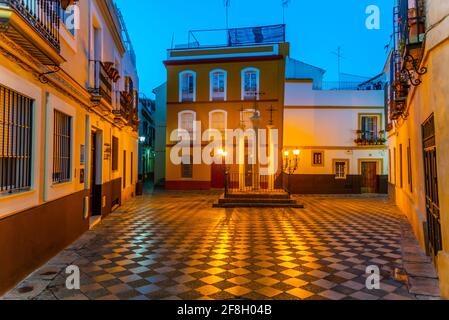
x,y
81,175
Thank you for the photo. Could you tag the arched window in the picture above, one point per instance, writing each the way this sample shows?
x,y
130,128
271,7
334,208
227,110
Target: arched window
x,y
187,86
186,121
250,84
218,121
218,85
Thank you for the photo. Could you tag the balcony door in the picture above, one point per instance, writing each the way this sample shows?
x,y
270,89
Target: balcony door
x,y
95,164
431,181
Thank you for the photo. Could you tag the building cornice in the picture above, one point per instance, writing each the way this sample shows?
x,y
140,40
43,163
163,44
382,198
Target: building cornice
x,y
222,60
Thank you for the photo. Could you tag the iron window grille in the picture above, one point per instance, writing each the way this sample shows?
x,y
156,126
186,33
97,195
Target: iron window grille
x,y
62,151
340,169
115,153
16,134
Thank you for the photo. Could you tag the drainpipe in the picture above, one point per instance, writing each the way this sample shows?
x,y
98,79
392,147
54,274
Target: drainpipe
x,y
46,146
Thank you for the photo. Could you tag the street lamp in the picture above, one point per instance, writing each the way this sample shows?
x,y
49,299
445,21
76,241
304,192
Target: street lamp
x,y
291,164
224,154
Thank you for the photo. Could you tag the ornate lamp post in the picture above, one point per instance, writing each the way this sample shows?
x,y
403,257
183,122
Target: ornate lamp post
x,y
224,155
291,164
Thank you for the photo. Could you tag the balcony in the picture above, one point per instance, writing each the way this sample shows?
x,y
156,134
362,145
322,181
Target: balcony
x,y
410,29
34,25
125,109
368,138
102,77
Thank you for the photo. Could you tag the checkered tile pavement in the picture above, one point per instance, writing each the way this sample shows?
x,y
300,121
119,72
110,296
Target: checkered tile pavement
x,y
176,246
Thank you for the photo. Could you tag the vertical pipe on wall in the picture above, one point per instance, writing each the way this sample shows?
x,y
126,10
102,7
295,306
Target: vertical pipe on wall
x,y
47,140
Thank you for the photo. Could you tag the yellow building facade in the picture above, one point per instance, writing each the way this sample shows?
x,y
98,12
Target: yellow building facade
x,y
418,131
68,126
222,88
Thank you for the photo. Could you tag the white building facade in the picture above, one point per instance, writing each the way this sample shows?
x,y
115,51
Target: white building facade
x,y
341,136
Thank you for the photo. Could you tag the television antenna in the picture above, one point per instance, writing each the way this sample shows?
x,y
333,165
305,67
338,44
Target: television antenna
x,y
285,4
227,4
339,58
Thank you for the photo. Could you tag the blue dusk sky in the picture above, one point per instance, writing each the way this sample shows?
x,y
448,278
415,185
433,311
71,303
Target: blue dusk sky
x,y
314,29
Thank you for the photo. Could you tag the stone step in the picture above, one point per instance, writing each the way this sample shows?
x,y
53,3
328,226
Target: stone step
x,y
258,205
279,195
256,200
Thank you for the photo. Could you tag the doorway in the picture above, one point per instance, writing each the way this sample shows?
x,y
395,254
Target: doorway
x,y
432,193
94,188
217,176
369,177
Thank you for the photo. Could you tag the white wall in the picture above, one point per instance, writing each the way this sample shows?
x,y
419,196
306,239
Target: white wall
x,y
302,94
318,120
160,118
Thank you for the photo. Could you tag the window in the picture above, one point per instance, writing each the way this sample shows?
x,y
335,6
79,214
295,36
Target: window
x,y
69,18
318,158
187,80
390,177
114,153
187,167
369,127
395,167
409,162
401,173
217,121
124,169
186,121
62,151
132,168
218,79
129,85
341,169
16,113
246,118
250,84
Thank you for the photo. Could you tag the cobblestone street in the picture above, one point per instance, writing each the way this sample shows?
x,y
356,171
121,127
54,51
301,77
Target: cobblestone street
x,y
175,246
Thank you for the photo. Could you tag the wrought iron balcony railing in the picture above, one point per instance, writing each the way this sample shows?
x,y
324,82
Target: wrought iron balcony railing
x,y
40,16
102,77
409,29
369,138
125,108
43,15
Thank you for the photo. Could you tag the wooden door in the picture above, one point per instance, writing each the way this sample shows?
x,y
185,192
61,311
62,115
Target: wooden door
x,y
369,177
217,176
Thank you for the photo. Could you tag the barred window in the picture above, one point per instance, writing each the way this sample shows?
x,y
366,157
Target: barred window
x,y
15,141
341,169
62,150
114,153
187,167
318,158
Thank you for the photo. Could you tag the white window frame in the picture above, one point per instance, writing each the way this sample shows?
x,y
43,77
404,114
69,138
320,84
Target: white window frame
x,y
211,84
244,71
180,114
181,74
334,164
378,122
225,121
